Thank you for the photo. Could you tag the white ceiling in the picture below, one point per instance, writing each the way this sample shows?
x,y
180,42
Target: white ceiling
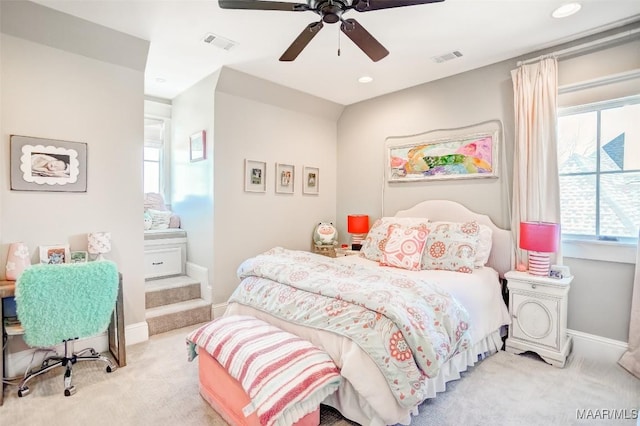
x,y
485,31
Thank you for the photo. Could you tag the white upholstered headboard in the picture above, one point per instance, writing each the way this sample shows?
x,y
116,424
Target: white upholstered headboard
x,y
502,257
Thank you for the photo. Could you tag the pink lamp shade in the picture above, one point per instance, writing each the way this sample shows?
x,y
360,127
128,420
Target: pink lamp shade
x,y
540,239
357,226
17,260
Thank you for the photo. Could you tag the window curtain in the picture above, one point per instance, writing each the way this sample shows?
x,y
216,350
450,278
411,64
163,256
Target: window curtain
x,y
631,359
536,189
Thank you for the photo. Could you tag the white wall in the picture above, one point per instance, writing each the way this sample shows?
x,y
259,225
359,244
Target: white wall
x,y
257,120
53,93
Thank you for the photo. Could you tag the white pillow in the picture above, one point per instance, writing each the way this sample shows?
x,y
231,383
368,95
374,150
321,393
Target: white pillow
x,y
372,245
483,250
159,218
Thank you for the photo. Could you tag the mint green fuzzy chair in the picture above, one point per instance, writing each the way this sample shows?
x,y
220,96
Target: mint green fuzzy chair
x,y
61,303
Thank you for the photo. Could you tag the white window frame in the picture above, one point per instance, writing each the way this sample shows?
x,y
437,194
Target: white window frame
x,y
622,250
165,156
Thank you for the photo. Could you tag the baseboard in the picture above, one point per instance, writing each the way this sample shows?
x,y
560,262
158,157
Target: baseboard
x,y
201,274
218,310
136,333
590,346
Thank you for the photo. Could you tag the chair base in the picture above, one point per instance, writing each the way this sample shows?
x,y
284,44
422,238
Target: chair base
x,y
70,357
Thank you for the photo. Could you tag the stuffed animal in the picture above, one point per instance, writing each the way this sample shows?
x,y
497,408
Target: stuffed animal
x,y
325,234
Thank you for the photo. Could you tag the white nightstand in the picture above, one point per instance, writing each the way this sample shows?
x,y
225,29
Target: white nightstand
x,y
538,309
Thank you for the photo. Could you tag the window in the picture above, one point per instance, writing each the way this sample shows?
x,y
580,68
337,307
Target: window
x,y
599,168
153,154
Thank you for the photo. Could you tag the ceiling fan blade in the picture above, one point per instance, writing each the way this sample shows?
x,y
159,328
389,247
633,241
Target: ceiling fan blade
x,y
301,42
263,5
363,39
367,5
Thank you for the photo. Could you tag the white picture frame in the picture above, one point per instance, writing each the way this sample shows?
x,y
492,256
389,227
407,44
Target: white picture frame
x,y
55,254
285,178
255,176
311,180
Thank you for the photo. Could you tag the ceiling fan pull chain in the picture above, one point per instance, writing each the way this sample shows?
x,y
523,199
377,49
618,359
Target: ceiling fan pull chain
x,y
338,43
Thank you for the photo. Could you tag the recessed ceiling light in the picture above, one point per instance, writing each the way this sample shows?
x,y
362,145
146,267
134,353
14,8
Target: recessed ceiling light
x,y
566,10
365,79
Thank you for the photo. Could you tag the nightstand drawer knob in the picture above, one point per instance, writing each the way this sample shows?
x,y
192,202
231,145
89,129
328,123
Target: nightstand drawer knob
x,y
533,286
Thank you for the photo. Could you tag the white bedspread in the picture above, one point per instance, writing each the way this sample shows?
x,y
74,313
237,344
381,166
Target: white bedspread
x,y
479,293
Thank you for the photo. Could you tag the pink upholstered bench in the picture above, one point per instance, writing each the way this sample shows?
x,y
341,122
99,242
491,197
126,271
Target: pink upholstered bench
x,y
227,397
254,374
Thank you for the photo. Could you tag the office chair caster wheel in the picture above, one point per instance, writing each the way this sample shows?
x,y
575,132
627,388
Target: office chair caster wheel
x,y
23,392
70,391
110,369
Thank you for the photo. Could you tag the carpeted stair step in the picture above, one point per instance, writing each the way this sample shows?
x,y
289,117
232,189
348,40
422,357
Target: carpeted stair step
x,y
176,315
171,290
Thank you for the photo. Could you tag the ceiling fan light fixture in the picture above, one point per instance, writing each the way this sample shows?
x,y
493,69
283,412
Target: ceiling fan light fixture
x,y
566,9
365,79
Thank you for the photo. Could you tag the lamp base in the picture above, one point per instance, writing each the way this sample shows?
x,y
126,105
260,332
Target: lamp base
x,y
539,263
356,241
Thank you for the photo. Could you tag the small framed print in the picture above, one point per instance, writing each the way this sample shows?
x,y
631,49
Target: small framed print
x,y
79,256
311,180
285,177
197,146
55,254
255,179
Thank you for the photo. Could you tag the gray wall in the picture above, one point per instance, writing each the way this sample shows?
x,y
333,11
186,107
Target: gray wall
x,y
250,118
600,297
60,93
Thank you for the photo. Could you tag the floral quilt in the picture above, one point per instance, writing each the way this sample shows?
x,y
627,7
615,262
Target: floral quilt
x,y
409,327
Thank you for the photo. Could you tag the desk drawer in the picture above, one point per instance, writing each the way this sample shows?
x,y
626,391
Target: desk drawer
x,y
162,262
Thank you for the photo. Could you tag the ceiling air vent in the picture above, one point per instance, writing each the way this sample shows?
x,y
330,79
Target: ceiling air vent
x,y
218,41
446,57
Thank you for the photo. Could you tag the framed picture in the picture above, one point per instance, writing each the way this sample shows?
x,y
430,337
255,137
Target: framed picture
x,y
311,180
79,256
457,157
197,146
55,254
48,165
285,176
255,179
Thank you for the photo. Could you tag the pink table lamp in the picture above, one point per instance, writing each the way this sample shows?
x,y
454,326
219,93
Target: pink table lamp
x,y
358,227
540,239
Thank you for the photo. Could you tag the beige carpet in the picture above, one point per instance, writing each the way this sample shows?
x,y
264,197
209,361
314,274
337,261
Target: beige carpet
x,y
159,387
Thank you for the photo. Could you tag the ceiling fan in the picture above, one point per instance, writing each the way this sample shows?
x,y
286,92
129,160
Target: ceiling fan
x,y
330,11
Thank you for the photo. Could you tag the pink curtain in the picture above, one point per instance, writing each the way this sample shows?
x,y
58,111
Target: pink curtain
x,y
536,190
631,359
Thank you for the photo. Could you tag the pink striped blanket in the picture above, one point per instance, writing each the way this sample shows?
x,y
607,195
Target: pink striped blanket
x,y
285,376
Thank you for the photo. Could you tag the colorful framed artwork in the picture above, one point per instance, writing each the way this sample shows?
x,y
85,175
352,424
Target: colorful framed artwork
x,y
79,256
458,157
285,178
48,165
311,180
255,179
198,146
54,255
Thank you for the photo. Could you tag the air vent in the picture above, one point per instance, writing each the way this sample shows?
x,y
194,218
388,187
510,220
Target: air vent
x,y
218,41
446,57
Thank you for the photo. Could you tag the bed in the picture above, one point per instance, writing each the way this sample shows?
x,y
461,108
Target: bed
x,y
384,381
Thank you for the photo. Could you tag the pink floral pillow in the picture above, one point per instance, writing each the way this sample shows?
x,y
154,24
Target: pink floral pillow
x,y
403,247
372,245
451,246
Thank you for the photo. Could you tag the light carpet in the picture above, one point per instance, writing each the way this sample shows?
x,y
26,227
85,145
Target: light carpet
x,y
159,387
